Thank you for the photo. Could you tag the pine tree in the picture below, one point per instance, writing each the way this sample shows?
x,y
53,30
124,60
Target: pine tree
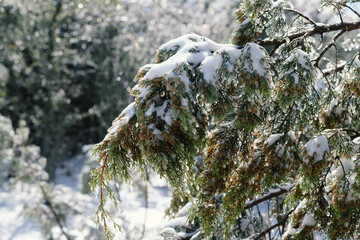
x,y
268,121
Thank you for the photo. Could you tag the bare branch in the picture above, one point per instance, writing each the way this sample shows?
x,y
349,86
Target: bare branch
x,y
358,14
317,60
327,72
302,15
347,26
53,212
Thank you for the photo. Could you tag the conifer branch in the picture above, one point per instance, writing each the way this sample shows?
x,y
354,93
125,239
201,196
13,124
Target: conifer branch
x,y
266,197
346,26
301,15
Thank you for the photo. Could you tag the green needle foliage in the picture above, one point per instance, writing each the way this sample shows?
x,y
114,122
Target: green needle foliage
x,y
260,113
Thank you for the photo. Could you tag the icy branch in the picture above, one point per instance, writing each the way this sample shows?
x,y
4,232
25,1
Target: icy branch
x,y
346,26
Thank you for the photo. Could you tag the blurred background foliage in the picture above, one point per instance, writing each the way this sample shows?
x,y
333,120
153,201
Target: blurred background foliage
x,y
66,66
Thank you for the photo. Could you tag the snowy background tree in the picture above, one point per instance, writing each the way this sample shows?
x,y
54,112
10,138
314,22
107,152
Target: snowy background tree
x,y
258,138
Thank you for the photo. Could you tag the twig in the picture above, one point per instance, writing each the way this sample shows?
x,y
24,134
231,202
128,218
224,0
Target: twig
x,y
331,87
266,197
292,22
300,14
48,202
56,216
341,18
332,43
358,14
336,69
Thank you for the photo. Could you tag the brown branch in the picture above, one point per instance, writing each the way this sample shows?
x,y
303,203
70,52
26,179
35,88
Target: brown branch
x,y
300,14
53,212
48,202
336,69
51,28
282,222
266,197
350,9
317,60
347,26
331,87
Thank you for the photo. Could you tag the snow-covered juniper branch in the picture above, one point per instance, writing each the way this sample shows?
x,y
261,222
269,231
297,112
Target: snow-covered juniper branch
x,y
252,126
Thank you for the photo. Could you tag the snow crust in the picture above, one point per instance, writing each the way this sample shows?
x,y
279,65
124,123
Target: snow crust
x,y
192,49
301,206
185,210
317,147
179,221
291,134
124,117
301,57
357,141
256,56
209,67
272,139
160,111
212,63
308,220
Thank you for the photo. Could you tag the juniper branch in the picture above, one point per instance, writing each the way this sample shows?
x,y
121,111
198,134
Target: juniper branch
x,y
266,197
346,26
300,14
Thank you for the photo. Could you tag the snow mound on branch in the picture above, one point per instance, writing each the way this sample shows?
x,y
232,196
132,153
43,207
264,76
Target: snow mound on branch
x,y
308,220
185,210
212,63
177,222
317,147
192,49
124,117
256,56
301,57
345,167
272,139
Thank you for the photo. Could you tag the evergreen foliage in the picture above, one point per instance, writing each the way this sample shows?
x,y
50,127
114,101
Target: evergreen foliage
x,y
234,126
69,63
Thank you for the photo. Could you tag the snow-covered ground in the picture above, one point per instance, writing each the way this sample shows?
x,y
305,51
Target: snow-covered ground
x,y
13,224
133,216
